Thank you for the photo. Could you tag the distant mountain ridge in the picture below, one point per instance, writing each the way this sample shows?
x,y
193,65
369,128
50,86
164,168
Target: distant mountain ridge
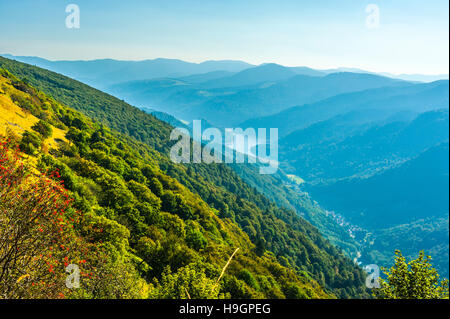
x,y
254,92
253,75
405,77
407,96
374,146
104,72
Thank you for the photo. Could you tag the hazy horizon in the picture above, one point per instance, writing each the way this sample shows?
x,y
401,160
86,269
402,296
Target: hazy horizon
x,y
225,60
410,37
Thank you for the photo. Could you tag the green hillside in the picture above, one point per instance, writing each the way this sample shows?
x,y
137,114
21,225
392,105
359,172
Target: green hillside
x,y
188,219
129,120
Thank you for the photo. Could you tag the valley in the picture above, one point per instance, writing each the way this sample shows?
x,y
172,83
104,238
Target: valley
x,y
359,149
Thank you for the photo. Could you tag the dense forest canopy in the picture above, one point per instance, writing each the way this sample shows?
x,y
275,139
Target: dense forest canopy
x,y
177,225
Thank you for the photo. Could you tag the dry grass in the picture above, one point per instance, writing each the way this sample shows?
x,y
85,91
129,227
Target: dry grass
x,y
17,120
226,266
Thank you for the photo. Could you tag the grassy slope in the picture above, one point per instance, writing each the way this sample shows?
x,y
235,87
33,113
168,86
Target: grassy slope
x,y
17,120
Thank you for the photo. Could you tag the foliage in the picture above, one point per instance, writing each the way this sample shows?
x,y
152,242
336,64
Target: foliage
x,y
166,206
43,128
416,279
30,143
41,234
188,282
431,233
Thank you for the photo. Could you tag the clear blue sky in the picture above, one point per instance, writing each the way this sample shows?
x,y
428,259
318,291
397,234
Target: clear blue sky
x,y
412,36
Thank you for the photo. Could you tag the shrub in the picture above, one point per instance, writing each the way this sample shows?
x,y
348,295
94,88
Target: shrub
x,y
43,128
30,143
38,242
414,280
195,239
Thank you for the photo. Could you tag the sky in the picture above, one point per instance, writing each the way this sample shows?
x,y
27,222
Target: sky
x,y
411,36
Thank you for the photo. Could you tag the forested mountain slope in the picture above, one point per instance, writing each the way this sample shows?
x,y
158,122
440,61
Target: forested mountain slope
x,y
405,206
358,150
416,189
226,199
167,231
